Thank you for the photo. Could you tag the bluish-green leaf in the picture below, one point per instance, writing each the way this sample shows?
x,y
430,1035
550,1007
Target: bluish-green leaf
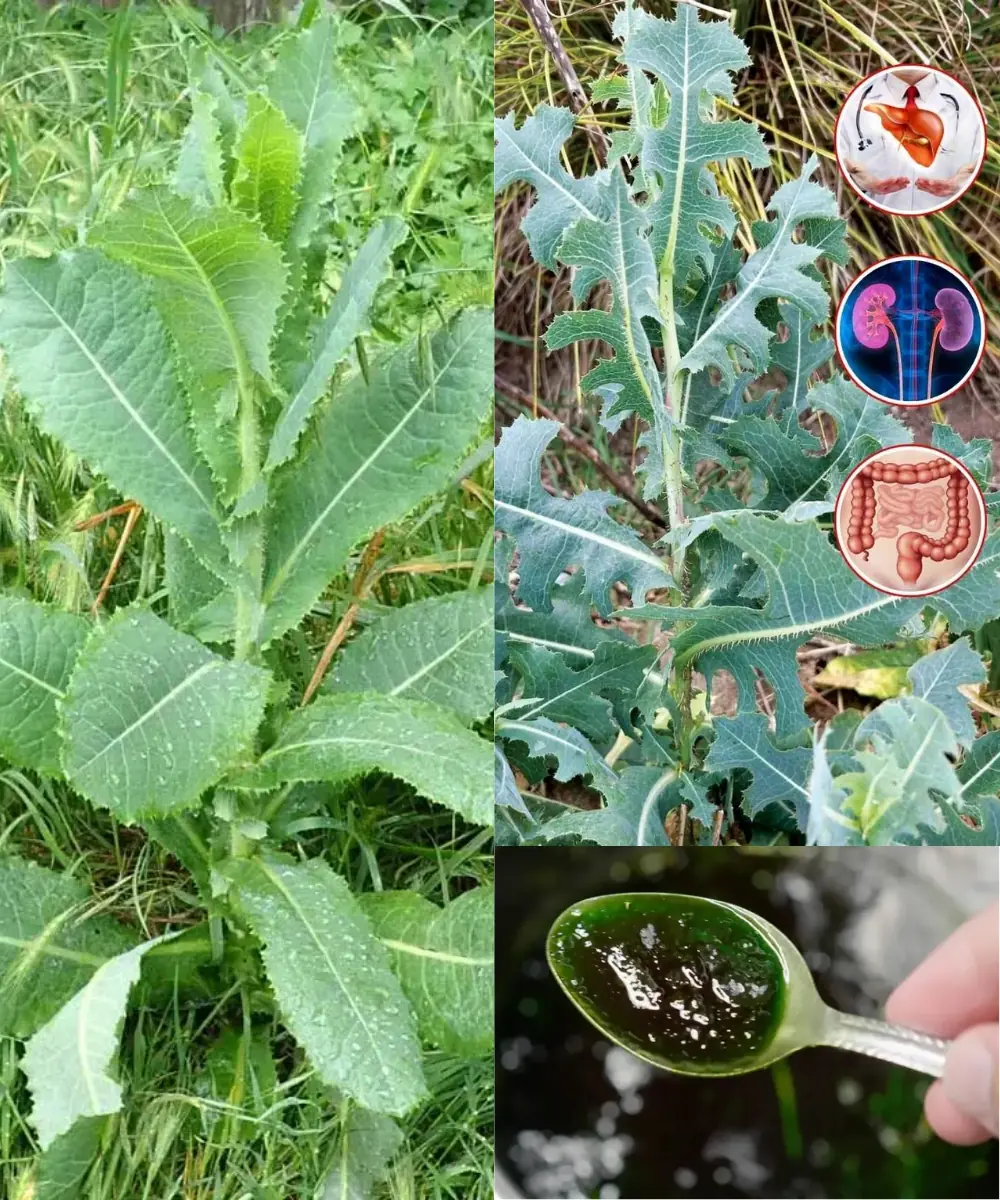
x,y
937,677
553,533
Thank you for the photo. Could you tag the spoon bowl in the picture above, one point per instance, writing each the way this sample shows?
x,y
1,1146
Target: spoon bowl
x,y
702,987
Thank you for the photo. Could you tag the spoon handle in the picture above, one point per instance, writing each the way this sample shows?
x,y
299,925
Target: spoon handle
x,y
892,1043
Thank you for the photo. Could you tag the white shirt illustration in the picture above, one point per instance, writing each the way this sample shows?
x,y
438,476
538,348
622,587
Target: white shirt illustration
x,y
872,157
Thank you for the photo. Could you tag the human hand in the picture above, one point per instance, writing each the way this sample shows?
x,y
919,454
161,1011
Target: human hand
x,y
946,187
872,184
955,993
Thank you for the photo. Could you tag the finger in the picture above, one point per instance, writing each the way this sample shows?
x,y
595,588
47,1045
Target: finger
x,y
956,985
950,1123
970,1075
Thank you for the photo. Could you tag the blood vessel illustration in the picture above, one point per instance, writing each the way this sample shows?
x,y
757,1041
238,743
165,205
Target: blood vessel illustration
x,y
911,547
953,330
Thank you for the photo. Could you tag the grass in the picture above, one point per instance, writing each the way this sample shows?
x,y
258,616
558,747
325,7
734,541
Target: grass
x,y
88,102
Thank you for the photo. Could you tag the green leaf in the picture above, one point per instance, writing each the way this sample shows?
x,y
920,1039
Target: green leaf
x,y
779,776
693,59
332,980
505,793
553,533
345,736
151,718
367,1143
569,628
911,745
438,650
333,335
268,167
633,814
444,960
409,428
533,153
774,271
880,673
68,1063
38,647
199,174
573,754
46,952
829,823
581,697
937,677
63,1167
979,772
218,281
92,359
304,87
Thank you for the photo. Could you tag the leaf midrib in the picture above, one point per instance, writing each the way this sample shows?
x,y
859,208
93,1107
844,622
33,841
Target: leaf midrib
x,y
282,573
119,395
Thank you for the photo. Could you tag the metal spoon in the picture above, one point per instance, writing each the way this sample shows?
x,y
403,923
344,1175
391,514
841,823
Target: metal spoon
x,y
701,987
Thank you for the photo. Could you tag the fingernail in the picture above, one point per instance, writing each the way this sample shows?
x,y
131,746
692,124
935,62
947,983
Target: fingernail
x,y
970,1076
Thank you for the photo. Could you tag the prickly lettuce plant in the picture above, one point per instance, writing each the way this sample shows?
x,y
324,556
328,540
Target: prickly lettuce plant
x,y
716,336
181,353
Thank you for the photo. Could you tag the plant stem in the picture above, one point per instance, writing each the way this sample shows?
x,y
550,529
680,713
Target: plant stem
x,y
249,593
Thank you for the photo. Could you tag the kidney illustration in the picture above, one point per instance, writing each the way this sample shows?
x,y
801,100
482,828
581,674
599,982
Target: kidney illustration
x,y
870,318
957,321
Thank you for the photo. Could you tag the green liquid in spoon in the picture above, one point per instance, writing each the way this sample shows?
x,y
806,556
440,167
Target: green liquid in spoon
x,y
686,983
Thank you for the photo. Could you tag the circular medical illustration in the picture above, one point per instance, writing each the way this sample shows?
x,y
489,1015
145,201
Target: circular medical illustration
x,y
910,139
910,330
910,520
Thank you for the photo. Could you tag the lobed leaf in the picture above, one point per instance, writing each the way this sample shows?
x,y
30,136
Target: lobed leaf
x,y
199,172
332,980
151,718
553,533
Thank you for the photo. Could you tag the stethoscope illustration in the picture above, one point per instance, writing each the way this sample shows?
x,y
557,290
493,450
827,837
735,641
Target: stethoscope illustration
x,y
864,141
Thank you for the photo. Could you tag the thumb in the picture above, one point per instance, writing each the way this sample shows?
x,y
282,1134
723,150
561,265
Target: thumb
x,y
970,1075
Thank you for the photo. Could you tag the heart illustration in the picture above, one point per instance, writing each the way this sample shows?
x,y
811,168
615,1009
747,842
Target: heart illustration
x,y
918,130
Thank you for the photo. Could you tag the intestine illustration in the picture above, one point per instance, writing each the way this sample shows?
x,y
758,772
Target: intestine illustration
x,y
905,497
901,327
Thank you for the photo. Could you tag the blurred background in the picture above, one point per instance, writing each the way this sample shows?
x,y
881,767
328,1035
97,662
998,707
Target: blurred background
x,y
580,1117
